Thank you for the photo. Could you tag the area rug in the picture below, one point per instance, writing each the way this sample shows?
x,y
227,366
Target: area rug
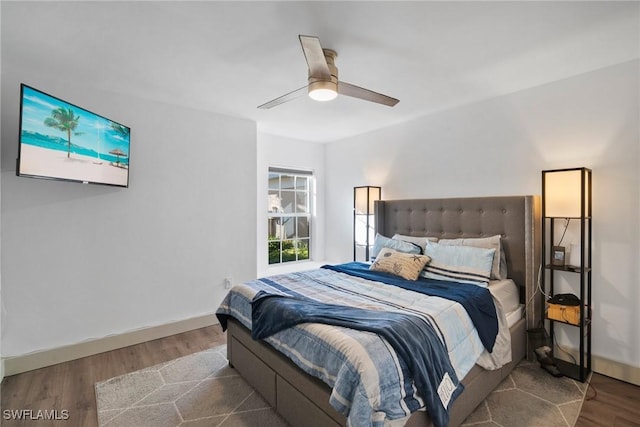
x,y
202,390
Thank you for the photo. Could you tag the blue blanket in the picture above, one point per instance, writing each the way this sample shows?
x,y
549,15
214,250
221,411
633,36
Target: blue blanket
x,y
476,300
413,339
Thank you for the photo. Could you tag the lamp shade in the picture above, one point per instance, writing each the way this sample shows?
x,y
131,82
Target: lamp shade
x,y
364,198
564,193
363,219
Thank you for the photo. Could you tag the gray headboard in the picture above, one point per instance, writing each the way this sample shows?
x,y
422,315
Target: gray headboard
x,y
515,218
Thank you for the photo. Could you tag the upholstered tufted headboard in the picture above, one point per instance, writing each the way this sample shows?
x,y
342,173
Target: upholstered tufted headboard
x,y
515,218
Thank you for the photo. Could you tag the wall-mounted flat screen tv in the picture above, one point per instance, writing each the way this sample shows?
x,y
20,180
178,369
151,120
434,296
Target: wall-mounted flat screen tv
x,y
59,140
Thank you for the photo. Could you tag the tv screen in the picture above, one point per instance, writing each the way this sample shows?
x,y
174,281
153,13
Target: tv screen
x,y
59,140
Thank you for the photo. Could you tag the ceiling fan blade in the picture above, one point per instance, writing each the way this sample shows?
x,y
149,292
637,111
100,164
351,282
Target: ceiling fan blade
x,y
314,55
368,95
284,98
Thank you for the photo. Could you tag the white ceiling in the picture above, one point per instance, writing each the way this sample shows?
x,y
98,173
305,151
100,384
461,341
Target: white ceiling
x,y
230,57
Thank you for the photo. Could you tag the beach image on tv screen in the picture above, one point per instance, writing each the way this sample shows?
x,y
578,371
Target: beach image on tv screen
x,y
61,140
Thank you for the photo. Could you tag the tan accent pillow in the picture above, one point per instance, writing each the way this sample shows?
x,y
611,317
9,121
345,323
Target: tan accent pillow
x,y
407,266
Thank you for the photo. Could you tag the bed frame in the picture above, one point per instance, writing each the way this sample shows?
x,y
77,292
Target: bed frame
x,y
303,400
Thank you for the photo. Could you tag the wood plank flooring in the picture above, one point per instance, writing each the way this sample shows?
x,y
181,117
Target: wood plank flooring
x,y
70,386
610,403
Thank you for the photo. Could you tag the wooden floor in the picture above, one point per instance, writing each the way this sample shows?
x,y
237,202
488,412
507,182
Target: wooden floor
x,y
70,386
610,403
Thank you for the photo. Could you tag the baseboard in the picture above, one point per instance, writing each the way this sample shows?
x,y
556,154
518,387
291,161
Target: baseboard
x,y
608,367
40,359
28,362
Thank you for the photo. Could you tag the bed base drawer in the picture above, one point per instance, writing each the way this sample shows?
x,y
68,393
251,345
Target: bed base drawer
x,y
249,366
272,375
298,409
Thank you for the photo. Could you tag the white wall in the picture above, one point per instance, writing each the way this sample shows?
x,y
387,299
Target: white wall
x,y
288,153
85,261
499,147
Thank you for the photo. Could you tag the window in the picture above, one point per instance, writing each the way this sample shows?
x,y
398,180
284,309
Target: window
x,y
289,215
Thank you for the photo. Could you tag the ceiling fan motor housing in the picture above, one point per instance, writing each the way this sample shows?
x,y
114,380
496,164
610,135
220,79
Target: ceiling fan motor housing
x,y
325,88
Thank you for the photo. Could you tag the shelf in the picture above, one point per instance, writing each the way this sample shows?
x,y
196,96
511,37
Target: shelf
x,y
587,217
571,268
586,322
572,370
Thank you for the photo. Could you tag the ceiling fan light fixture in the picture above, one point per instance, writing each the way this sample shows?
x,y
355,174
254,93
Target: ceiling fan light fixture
x,y
323,79
323,91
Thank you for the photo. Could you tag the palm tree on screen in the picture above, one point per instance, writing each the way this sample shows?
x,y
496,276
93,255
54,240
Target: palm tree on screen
x,y
65,120
123,131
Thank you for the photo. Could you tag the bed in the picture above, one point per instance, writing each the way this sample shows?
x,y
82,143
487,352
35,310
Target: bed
x,y
303,400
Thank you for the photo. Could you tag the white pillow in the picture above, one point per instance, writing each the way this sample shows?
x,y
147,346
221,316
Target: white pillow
x,y
499,266
420,241
454,263
399,245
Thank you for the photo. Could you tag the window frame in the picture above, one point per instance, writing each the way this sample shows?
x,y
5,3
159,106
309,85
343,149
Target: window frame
x,y
278,217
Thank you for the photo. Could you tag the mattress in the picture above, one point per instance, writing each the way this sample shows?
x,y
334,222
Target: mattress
x,y
515,315
507,294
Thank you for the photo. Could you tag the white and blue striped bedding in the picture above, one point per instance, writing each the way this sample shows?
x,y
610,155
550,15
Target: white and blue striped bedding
x,y
367,379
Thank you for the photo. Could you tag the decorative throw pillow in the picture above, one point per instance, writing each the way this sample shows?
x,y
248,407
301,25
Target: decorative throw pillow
x,y
499,266
399,245
407,266
466,264
420,241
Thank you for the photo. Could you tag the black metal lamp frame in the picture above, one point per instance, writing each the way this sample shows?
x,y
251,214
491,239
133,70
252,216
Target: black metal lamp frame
x,y
363,199
582,367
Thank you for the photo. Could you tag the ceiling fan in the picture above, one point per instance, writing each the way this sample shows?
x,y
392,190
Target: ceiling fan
x,y
323,79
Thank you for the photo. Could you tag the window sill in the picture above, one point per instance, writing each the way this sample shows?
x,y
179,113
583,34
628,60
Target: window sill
x,y
291,267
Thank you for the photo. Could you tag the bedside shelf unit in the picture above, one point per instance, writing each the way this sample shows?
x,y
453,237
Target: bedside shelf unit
x,y
572,268
573,205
